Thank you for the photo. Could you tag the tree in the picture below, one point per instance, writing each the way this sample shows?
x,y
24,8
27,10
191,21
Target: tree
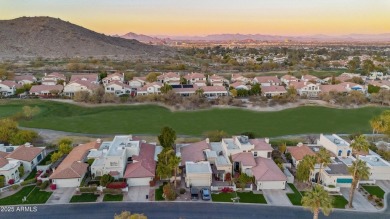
x,y
215,135
8,128
359,144
21,170
81,96
323,158
283,147
251,135
56,156
243,179
368,66
359,171
152,77
65,148
29,112
23,136
106,179
174,162
255,89
234,92
373,89
128,215
167,137
305,167
333,79
165,88
353,64
378,125
199,92
317,199
97,95
164,170
169,192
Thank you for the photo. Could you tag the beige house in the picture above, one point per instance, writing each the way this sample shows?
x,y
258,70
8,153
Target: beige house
x,y
198,174
9,169
305,88
116,77
28,155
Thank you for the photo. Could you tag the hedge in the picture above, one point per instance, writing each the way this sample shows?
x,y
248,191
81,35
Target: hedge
x,y
117,185
90,189
44,185
29,181
112,191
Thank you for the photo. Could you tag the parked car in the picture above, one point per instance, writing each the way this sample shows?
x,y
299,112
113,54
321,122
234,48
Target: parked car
x,y
194,194
205,192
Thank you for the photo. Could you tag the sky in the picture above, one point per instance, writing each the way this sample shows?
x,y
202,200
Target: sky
x,y
203,17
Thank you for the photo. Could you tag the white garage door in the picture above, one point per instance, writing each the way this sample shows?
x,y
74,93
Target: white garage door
x,y
271,185
138,181
62,183
199,182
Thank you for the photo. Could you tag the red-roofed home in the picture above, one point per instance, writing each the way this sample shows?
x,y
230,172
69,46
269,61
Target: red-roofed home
x,y
9,170
142,170
286,79
307,89
25,79
194,77
46,90
28,155
271,91
137,82
170,78
267,80
268,175
216,80
298,152
53,78
116,77
8,88
117,87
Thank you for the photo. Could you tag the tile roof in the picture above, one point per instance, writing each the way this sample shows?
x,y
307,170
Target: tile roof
x,y
10,84
25,77
40,88
214,89
144,165
299,84
88,84
246,159
194,152
261,144
273,88
267,170
3,154
309,77
72,166
85,77
113,75
194,75
56,75
168,75
298,152
336,87
289,77
119,84
26,153
3,162
267,79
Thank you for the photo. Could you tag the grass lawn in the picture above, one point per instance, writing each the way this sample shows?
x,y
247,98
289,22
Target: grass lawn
x,y
245,197
34,196
151,119
158,194
375,190
296,197
113,198
339,201
85,197
32,174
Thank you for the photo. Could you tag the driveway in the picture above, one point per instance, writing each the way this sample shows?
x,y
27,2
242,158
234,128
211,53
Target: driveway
x,y
137,194
61,195
359,201
276,197
384,184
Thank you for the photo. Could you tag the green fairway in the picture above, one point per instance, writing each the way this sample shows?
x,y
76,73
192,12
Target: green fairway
x,y
149,119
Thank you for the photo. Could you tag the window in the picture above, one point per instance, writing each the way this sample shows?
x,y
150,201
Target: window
x,y
255,153
113,164
340,151
268,154
348,153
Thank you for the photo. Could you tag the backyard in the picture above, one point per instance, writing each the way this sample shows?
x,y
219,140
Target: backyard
x,y
150,119
245,197
33,194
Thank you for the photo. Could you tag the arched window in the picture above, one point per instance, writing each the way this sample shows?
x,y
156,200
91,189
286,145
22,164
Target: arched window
x,y
340,151
348,153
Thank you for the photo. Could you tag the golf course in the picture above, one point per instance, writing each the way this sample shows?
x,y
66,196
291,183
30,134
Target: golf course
x,y
149,119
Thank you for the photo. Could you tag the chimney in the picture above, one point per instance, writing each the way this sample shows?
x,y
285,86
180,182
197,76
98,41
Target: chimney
x,y
45,74
266,140
300,144
131,137
347,85
304,83
98,140
207,140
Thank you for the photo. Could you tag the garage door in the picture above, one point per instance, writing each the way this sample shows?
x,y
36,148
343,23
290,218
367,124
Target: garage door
x,y
138,181
199,182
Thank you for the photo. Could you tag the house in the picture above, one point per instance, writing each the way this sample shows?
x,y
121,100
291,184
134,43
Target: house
x,y
379,168
306,88
338,88
46,90
268,175
239,77
8,88
376,76
80,85
9,168
170,78
53,78
184,90
336,175
118,77
216,80
237,144
117,87
310,78
298,152
220,163
92,78
196,78
73,168
382,84
25,79
214,91
286,79
350,86
28,155
273,90
238,85
152,88
198,174
243,162
336,145
142,170
194,152
267,81
137,82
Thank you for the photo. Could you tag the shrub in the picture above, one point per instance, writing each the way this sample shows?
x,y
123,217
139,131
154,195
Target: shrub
x,y
227,190
152,183
169,192
182,190
380,204
53,186
39,182
88,189
11,181
370,197
112,191
44,185
21,171
30,181
106,179
117,185
15,186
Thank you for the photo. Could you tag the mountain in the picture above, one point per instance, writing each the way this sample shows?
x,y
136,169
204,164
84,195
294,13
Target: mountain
x,y
51,37
143,38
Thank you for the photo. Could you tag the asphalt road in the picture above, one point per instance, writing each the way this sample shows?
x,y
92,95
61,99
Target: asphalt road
x,y
182,210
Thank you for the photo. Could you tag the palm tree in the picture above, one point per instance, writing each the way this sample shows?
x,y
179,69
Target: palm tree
x,y
165,88
174,162
358,170
305,167
318,199
323,158
359,144
199,92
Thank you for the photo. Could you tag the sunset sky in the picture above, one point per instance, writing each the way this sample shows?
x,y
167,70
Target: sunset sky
x,y
202,17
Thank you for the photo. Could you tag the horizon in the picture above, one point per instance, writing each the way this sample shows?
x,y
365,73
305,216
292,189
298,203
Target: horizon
x,y
201,18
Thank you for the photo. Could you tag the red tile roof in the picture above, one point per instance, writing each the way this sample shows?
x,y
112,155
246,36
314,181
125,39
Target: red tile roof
x,y
3,154
194,76
267,79
194,152
298,152
3,162
267,170
336,87
11,84
40,88
246,159
273,89
25,153
87,77
260,144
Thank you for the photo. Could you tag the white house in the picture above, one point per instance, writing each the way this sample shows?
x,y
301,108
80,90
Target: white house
x,y
310,78
267,81
170,78
214,91
116,77
192,78
92,78
28,155
25,79
198,174
286,79
216,80
8,88
306,88
336,145
152,88
379,168
268,175
53,78
117,87
137,82
239,77
9,169
336,174
73,168
79,85
376,76
298,152
238,85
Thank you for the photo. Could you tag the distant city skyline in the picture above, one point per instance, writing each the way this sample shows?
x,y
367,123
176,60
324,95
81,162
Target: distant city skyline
x,y
204,17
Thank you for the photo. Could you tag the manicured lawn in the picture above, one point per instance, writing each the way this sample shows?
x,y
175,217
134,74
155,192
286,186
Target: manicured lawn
x,y
150,119
245,197
375,190
34,196
339,201
85,197
296,197
158,194
113,198
32,174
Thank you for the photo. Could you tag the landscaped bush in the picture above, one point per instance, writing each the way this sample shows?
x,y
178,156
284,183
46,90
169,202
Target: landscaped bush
x,y
29,181
370,197
182,190
380,204
11,181
94,183
117,185
44,185
227,189
39,182
88,189
112,191
169,192
152,183
332,186
53,186
106,179
15,186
